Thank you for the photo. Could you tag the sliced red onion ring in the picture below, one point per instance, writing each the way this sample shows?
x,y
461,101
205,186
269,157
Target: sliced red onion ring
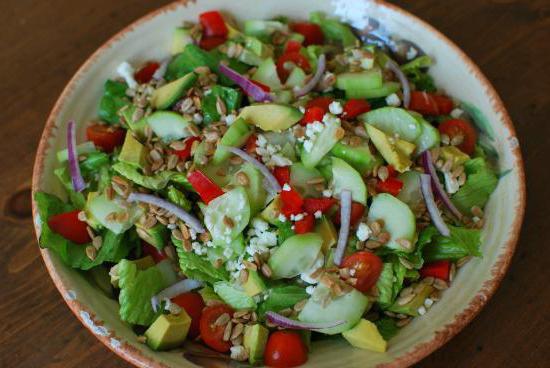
x,y
180,213
426,187
345,219
263,169
392,65
74,167
178,288
161,70
428,164
251,89
285,322
321,65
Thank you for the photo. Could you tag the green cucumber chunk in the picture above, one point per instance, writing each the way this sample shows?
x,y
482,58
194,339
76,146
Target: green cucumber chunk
x,y
232,205
263,29
360,157
99,208
300,176
385,90
350,81
257,194
429,137
297,254
346,177
235,136
165,96
267,74
334,30
296,78
170,126
411,193
394,120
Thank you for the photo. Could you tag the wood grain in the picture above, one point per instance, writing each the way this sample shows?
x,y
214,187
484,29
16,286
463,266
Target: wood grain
x,y
43,43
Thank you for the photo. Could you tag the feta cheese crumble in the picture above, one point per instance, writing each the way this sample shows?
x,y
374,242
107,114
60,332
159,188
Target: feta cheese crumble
x,y
363,232
335,108
457,113
126,71
393,100
318,214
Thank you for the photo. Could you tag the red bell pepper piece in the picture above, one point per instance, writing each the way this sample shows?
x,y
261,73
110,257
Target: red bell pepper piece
x,y
282,174
355,107
312,114
438,269
391,185
145,74
357,211
261,85
213,24
185,153
304,225
209,43
392,173
251,144
430,104
206,188
292,45
149,250
70,227
322,102
312,205
294,57
292,202
313,35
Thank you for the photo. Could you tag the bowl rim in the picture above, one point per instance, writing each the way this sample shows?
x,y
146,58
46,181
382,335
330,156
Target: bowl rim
x,y
417,352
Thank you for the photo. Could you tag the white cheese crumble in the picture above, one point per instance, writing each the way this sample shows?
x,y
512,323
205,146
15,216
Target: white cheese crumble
x,y
451,184
271,153
428,302
306,275
197,118
286,187
281,217
457,113
422,310
302,109
327,193
198,248
363,232
313,130
261,238
412,52
310,289
230,119
318,214
393,100
335,108
126,71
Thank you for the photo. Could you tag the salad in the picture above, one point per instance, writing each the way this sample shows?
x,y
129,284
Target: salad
x,y
266,186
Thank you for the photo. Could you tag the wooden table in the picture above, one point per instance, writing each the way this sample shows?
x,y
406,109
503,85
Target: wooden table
x,y
44,42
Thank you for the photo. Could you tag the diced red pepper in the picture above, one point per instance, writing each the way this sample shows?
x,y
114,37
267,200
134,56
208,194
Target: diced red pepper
x,y
444,104
206,188
209,43
304,225
312,205
312,114
185,153
145,74
322,102
355,107
292,46
391,185
149,250
292,202
282,174
438,269
251,144
313,35
357,211
294,57
424,103
392,173
261,85
213,24
70,227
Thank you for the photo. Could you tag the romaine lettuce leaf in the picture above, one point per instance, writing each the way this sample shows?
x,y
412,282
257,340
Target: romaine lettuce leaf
x,y
154,182
114,98
231,97
236,298
282,297
390,283
197,267
480,183
387,327
461,243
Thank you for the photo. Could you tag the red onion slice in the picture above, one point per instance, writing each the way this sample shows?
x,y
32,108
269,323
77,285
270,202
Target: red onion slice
x,y
178,288
251,89
321,65
426,187
74,167
428,164
345,218
180,213
285,322
392,65
263,169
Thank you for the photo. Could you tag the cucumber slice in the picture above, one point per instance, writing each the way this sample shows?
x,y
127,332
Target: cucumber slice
x,y
81,149
267,74
99,207
346,177
255,190
411,193
296,78
235,136
429,138
359,157
299,177
324,143
262,29
349,307
180,38
399,220
394,120
271,116
232,205
170,126
165,96
296,255
387,89
351,81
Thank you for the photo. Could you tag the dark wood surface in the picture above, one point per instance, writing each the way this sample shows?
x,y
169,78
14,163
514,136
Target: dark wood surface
x,y
44,42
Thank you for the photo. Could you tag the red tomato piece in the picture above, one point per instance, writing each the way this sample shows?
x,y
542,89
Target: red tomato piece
x,y
213,24
357,211
391,185
314,113
444,104
292,57
211,334
285,349
392,173
145,74
438,269
367,266
105,137
322,102
206,188
209,43
292,45
424,103
70,227
185,153
458,127
282,174
312,205
304,225
292,202
193,305
313,35
355,107
251,144
149,250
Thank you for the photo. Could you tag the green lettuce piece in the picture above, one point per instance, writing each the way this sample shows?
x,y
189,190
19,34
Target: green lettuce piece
x,y
137,287
231,97
334,30
114,98
114,246
75,198
282,297
154,182
480,183
420,62
178,198
236,298
390,283
461,243
387,327
284,231
181,179
197,267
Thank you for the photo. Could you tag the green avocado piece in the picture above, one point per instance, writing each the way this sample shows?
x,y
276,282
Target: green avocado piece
x,y
411,308
168,331
254,285
235,136
133,152
271,116
208,294
165,96
255,340
326,229
180,38
453,154
365,335
138,127
271,213
171,126
391,153
157,235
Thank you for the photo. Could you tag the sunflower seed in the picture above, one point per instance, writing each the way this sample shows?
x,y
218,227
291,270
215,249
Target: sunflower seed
x,y
242,178
266,271
243,276
404,299
440,284
237,330
222,320
220,106
227,331
97,242
91,252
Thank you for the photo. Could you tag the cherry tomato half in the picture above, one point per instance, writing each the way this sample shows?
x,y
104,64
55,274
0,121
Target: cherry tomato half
x,y
367,266
304,225
145,74
149,250
70,227
213,24
285,349
211,334
313,35
293,57
357,211
457,127
106,137
193,305
355,107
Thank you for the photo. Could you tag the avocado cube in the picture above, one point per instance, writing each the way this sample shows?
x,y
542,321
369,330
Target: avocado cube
x,y
255,339
254,285
393,154
325,227
271,213
133,152
453,154
411,308
365,335
271,117
208,294
180,39
168,331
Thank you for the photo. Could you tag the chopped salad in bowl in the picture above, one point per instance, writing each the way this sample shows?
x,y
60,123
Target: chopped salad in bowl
x,y
265,186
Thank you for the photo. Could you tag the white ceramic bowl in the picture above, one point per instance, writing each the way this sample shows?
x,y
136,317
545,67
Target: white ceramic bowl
x,y
149,37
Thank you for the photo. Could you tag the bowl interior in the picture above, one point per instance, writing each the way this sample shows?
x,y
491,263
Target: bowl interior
x,y
473,285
